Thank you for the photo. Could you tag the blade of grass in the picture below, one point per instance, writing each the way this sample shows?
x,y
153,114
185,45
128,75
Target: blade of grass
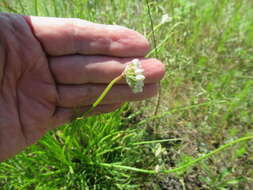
x,y
180,109
185,166
157,141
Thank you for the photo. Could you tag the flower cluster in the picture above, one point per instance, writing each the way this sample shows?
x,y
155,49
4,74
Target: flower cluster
x,y
134,75
166,18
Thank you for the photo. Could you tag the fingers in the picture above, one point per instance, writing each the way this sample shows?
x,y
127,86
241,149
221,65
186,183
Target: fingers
x,y
64,115
61,36
78,69
82,95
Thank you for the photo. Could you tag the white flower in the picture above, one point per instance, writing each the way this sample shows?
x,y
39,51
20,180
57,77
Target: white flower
x,y
159,149
166,18
134,75
157,168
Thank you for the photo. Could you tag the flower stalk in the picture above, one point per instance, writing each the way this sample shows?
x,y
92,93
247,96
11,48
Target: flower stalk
x,y
134,75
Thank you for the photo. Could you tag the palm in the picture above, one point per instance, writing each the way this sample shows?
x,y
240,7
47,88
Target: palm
x,y
50,66
35,94
28,91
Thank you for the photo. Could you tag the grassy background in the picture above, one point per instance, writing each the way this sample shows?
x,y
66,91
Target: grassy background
x,y
206,101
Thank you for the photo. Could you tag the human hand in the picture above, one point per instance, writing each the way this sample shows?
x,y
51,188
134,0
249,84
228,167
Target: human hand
x,y
50,66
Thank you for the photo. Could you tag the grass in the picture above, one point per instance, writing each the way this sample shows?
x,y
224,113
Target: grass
x,y
206,101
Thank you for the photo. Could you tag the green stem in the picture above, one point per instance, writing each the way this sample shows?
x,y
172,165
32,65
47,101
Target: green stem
x,y
180,168
156,55
181,108
101,97
157,141
221,148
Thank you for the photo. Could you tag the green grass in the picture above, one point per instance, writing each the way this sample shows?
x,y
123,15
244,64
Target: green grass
x,y
206,102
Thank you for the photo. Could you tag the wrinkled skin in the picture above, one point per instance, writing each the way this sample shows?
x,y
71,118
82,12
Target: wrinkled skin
x,y
50,66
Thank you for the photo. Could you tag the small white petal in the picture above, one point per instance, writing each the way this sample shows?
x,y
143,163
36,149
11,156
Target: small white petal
x,y
139,71
140,77
166,18
135,62
157,168
138,85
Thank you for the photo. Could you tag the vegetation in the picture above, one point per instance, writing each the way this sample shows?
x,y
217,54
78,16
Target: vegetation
x,y
206,101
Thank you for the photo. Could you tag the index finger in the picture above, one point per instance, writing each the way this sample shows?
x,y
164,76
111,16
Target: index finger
x,y
64,36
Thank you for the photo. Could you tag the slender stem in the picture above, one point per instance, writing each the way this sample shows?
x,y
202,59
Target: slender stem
x,y
180,108
101,97
157,141
152,27
36,7
221,148
180,168
156,54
